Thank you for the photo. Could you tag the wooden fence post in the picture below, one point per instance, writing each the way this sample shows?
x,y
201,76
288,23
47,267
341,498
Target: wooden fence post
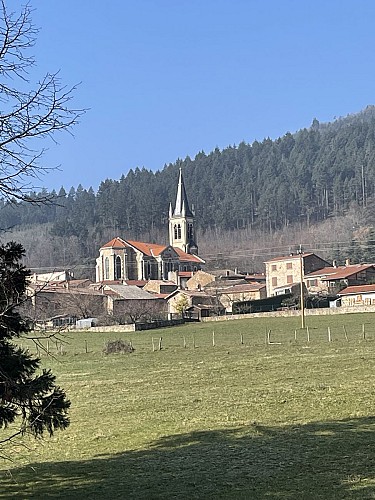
x,y
241,338
329,334
345,333
213,338
160,346
363,332
308,334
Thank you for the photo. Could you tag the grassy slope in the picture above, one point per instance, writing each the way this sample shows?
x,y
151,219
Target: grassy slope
x,y
291,420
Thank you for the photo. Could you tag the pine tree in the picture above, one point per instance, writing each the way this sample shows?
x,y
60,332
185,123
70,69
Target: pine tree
x,y
28,395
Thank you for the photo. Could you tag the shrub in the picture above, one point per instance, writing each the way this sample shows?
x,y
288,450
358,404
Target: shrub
x,y
118,346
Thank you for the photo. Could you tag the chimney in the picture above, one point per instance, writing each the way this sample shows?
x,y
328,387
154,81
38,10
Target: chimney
x,y
334,263
347,262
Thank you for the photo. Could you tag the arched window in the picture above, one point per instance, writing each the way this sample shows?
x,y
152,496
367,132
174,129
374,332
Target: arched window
x,y
118,268
178,231
175,231
190,231
106,268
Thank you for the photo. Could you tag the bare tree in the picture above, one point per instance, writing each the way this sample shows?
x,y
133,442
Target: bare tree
x,y
29,400
29,111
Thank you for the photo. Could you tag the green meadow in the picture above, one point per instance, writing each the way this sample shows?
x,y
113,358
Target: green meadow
x,y
217,413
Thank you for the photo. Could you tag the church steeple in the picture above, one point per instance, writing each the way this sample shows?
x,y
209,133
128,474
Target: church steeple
x,y
182,205
181,221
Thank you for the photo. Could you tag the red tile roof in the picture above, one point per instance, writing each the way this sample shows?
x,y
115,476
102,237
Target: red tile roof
x,y
150,249
115,243
355,289
340,272
187,257
186,274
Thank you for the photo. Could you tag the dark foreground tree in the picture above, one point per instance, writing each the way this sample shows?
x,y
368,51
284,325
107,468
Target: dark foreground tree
x,y
27,394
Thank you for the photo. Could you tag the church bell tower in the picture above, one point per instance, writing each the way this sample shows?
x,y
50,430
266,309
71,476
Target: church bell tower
x,y
181,222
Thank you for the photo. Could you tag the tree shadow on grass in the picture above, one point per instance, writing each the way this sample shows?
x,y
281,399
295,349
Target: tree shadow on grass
x,y
322,460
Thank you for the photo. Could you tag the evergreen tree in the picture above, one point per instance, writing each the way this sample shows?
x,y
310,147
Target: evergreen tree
x,y
27,394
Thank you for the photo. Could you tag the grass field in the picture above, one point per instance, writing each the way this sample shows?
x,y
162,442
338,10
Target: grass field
x,y
289,420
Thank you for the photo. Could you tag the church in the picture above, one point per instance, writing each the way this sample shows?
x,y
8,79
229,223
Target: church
x,y
122,260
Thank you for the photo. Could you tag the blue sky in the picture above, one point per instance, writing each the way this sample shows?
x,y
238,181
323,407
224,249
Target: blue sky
x,y
164,79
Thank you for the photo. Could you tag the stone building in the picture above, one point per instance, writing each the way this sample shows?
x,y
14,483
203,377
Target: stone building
x,y
288,270
121,260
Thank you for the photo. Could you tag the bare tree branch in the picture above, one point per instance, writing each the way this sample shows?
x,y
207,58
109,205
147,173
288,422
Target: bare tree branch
x,y
28,111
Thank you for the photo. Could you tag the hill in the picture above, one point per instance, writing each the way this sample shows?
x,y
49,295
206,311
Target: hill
x,y
298,180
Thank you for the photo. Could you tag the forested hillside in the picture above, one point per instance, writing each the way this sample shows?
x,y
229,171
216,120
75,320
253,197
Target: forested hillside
x,y
301,178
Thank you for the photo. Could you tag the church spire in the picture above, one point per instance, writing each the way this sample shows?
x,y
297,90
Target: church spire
x,y
181,221
182,205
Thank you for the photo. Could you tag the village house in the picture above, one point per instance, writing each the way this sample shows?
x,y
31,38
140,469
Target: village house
x,y
359,295
131,303
160,287
193,303
70,300
122,260
286,272
231,295
330,280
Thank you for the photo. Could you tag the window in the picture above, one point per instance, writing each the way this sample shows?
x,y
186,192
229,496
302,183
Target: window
x,y
274,267
106,268
274,281
175,231
289,265
118,272
190,231
313,282
289,278
178,231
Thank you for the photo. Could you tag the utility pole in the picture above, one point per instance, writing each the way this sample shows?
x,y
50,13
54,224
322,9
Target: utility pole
x,y
300,252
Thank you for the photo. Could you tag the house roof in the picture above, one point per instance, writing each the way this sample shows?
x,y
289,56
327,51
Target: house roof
x,y
291,257
356,289
340,272
162,282
189,293
225,274
185,274
139,283
160,295
255,277
129,292
249,287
